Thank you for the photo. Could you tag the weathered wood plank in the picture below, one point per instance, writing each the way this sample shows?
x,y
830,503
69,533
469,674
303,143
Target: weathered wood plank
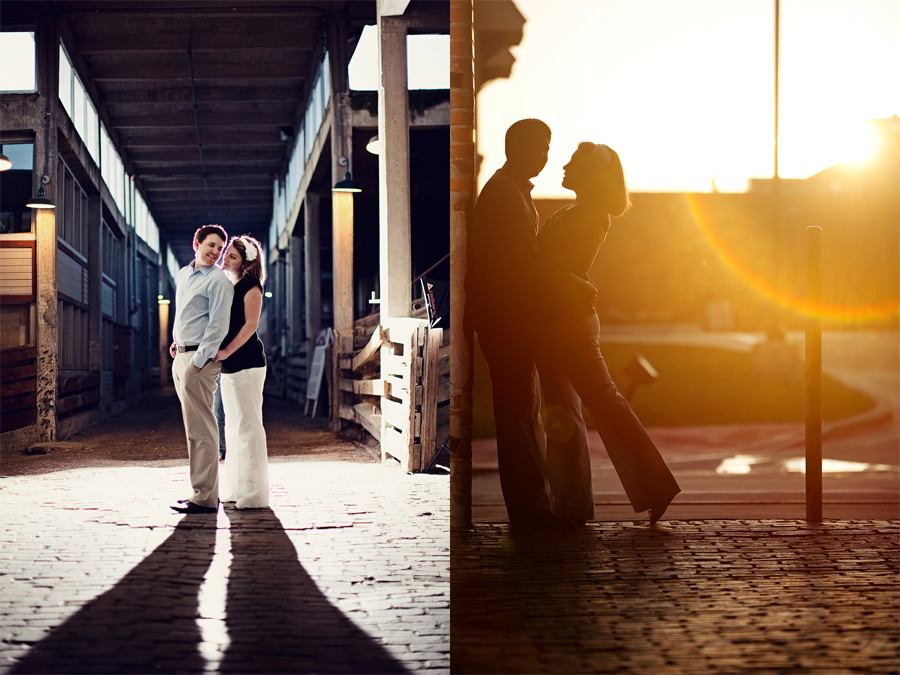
x,y
370,350
396,415
16,403
392,364
70,403
17,388
17,420
374,387
430,387
23,354
394,444
397,388
76,383
366,415
443,391
18,373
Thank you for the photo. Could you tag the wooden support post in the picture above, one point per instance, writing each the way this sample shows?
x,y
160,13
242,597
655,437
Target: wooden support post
x,y
393,167
313,276
341,347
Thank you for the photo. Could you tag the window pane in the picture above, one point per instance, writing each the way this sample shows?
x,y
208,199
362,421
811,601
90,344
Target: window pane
x,y
16,188
428,61
78,107
17,54
20,154
90,130
65,80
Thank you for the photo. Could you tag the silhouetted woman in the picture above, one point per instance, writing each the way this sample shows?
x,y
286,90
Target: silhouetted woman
x,y
245,477
570,353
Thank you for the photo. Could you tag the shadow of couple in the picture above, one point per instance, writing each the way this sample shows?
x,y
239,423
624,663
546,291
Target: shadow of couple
x,y
276,617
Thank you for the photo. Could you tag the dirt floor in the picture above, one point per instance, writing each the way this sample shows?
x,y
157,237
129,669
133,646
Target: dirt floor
x,y
152,433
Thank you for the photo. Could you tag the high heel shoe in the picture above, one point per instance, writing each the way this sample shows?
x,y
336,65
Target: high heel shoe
x,y
657,511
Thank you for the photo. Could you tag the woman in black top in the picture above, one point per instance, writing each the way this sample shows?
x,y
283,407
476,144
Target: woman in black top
x,y
245,478
570,356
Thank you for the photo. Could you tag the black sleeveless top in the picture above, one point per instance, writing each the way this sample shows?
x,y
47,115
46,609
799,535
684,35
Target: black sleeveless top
x,y
251,354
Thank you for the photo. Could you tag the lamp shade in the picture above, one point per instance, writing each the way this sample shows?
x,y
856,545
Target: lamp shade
x,y
5,164
41,201
346,185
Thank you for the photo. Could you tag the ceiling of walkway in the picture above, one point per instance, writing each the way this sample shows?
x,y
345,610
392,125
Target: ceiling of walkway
x,y
202,97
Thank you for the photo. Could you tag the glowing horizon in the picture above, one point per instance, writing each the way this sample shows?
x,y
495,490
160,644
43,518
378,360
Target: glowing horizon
x,y
687,96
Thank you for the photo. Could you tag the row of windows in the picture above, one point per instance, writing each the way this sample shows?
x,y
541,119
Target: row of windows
x,y
18,54
71,213
72,336
306,137
113,260
93,134
171,262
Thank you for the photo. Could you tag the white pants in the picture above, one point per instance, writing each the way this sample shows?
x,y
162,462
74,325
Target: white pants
x,y
245,475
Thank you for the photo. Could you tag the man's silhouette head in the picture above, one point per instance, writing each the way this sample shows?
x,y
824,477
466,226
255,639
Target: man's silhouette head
x,y
527,145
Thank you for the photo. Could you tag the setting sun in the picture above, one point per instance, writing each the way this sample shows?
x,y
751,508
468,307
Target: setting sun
x,y
685,92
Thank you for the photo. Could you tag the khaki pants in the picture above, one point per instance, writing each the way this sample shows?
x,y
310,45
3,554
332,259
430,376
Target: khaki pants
x,y
196,391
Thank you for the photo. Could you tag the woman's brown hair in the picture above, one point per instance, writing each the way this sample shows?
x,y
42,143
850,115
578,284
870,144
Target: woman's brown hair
x,y
255,267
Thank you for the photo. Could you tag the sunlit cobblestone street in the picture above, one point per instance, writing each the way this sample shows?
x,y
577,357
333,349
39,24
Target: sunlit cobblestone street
x,y
347,572
682,597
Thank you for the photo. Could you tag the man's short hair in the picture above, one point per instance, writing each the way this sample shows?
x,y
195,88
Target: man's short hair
x,y
525,133
203,232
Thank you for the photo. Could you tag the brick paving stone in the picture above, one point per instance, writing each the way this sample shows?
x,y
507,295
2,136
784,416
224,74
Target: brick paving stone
x,y
347,572
682,597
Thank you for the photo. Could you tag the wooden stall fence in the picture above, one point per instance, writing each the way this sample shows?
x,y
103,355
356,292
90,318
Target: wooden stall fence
x,y
394,381
18,386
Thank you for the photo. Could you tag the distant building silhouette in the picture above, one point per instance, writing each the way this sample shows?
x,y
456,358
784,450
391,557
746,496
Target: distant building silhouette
x,y
707,258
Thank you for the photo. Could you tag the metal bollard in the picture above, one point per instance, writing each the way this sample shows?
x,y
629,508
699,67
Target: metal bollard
x,y
814,377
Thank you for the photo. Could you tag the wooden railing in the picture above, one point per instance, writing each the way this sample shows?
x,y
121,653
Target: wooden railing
x,y
18,386
396,386
77,392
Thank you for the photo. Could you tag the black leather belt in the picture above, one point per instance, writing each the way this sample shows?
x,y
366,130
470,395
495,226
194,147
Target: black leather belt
x,y
186,348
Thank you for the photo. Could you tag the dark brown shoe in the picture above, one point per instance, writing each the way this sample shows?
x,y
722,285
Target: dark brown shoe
x,y
191,507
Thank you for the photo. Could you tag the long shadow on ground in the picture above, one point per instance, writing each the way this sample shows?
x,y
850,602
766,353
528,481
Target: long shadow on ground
x,y
278,619
146,623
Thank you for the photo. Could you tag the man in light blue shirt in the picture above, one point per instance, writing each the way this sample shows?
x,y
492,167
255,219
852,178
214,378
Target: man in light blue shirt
x,y
202,311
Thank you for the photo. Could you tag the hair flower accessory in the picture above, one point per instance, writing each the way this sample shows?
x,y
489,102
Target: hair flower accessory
x,y
250,250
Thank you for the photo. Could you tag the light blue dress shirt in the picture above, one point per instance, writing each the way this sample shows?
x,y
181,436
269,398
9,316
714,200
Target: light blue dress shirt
x,y
202,310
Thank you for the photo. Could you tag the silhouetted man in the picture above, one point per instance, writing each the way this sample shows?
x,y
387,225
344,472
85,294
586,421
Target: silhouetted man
x,y
504,277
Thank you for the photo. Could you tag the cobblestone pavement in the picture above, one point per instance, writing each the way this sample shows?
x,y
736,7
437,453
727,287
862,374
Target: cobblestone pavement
x,y
347,572
726,596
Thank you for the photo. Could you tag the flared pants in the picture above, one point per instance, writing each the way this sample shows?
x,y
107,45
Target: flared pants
x,y
570,356
245,473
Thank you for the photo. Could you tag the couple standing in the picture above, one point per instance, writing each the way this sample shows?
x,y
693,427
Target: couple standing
x,y
533,310
217,312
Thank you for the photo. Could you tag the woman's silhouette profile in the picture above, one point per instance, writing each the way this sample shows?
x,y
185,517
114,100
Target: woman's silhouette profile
x,y
570,356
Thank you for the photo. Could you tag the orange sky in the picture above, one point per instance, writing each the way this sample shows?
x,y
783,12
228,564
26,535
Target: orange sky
x,y
684,91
